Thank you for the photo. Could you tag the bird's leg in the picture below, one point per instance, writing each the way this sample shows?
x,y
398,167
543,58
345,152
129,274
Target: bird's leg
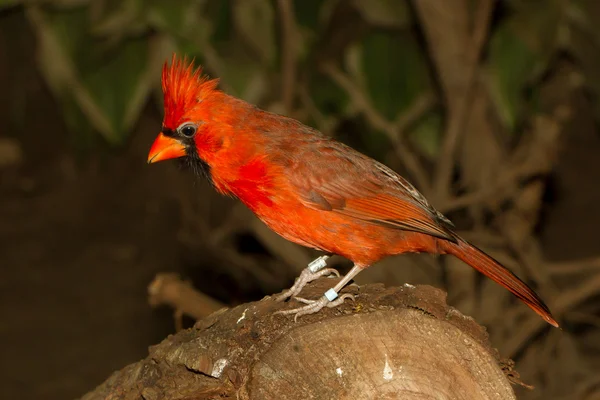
x,y
313,271
329,299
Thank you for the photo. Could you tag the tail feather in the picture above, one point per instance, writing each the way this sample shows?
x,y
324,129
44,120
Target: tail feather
x,y
499,274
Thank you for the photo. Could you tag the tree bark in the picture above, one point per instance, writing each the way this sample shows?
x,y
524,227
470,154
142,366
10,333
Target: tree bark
x,y
389,343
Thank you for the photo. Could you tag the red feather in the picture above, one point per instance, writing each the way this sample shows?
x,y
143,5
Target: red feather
x,y
184,89
309,188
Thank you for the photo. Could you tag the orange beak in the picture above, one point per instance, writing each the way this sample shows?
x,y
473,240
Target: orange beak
x,y
165,148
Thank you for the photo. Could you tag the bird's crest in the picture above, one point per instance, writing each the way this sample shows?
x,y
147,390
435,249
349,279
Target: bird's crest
x,y
184,88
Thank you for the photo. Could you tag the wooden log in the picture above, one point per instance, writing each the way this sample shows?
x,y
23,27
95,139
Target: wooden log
x,y
390,343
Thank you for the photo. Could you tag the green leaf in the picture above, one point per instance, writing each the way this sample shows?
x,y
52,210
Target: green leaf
x,y
245,77
178,17
426,135
395,71
220,12
9,3
108,84
384,13
520,50
189,48
307,13
116,85
327,96
511,65
584,45
82,134
117,18
254,20
358,133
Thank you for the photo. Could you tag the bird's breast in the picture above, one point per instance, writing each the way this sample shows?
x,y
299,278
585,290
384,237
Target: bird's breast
x,y
265,191
253,183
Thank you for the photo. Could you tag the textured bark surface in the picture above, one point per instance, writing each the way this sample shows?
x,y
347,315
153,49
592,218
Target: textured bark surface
x,y
390,343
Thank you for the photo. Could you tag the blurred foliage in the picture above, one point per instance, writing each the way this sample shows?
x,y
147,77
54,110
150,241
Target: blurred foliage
x,y
361,70
102,58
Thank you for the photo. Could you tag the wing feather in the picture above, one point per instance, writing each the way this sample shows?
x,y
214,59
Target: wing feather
x,y
346,182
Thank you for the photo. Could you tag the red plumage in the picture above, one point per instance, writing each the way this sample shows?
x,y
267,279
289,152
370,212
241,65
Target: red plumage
x,y
183,87
307,187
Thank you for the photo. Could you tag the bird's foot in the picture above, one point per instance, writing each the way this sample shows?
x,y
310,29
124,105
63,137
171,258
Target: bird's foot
x,y
305,277
313,306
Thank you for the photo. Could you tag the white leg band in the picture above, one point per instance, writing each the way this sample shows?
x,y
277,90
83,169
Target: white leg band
x,y
331,294
318,264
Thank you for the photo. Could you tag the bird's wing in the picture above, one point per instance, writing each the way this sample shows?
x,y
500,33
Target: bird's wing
x,y
341,180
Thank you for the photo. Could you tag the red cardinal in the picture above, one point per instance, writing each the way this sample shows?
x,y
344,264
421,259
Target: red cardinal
x,y
307,187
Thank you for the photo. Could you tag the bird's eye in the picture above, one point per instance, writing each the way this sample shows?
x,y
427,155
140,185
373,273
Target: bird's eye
x,y
188,130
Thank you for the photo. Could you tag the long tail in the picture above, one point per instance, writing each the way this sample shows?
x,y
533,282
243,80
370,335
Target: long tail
x,y
499,274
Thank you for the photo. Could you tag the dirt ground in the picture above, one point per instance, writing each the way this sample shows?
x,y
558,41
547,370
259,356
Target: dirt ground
x,y
82,235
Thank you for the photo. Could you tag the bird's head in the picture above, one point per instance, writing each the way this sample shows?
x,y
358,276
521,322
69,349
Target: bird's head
x,y
188,126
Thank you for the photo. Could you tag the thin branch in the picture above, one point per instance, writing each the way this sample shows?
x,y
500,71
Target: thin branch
x,y
533,157
359,99
322,122
565,302
288,48
393,130
416,110
585,318
509,179
577,295
460,113
169,289
590,388
575,267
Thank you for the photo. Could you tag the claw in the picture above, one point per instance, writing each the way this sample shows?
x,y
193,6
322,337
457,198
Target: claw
x,y
303,300
305,277
313,306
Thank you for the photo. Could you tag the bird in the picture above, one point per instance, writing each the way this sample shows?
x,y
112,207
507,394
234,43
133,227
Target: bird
x,y
308,187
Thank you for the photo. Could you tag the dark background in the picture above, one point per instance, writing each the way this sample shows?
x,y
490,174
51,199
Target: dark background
x,y
86,224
